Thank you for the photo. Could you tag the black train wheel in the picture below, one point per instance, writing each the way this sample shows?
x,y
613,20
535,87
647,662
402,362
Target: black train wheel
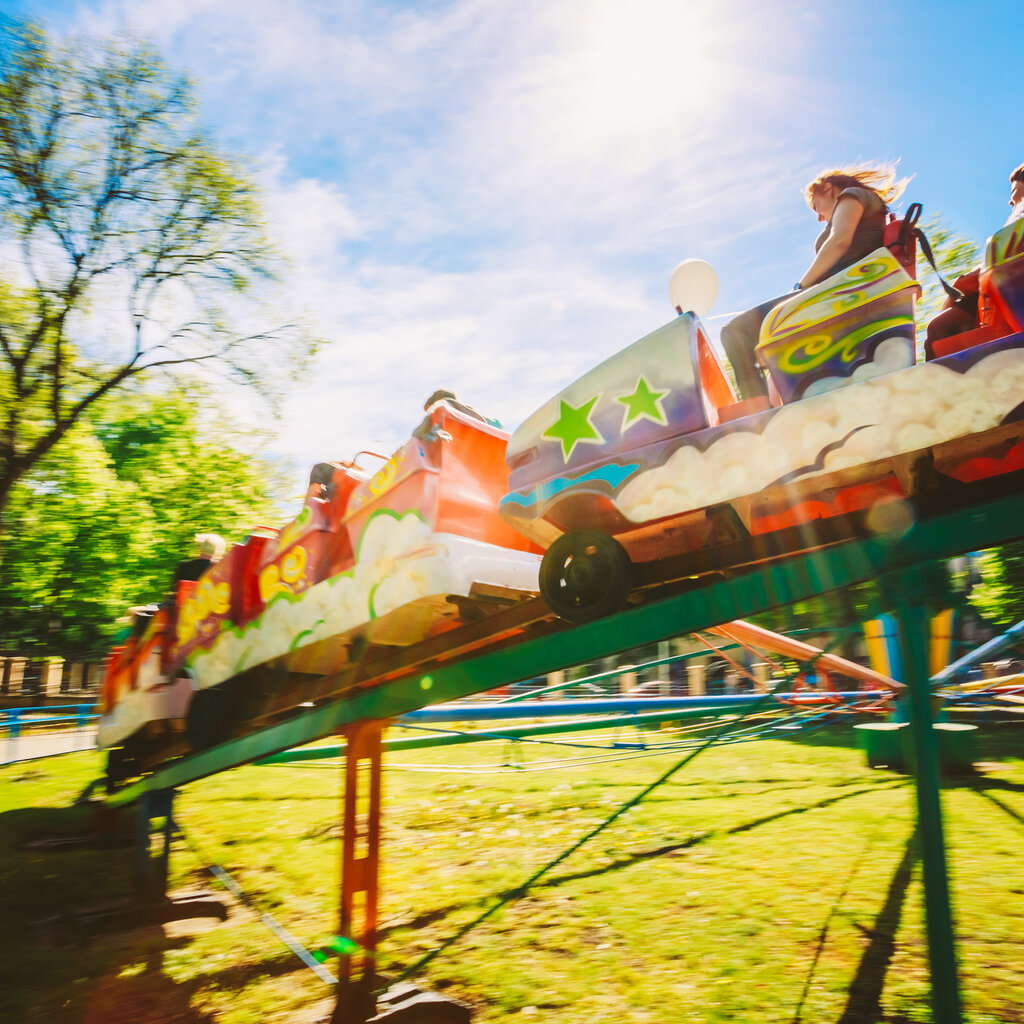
x,y
585,575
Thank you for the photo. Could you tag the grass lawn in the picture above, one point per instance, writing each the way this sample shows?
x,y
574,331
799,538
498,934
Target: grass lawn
x,y
772,881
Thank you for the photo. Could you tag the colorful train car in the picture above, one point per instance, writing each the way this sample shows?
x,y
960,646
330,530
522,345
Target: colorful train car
x,y
651,455
647,457
388,558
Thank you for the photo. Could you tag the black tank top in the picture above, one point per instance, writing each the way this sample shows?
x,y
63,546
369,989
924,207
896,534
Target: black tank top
x,y
869,234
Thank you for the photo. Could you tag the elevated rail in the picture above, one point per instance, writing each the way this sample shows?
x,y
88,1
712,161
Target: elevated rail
x,y
528,640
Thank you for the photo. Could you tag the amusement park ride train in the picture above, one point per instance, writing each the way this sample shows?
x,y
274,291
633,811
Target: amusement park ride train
x,y
646,470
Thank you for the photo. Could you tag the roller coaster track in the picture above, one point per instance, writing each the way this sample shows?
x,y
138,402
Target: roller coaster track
x,y
690,593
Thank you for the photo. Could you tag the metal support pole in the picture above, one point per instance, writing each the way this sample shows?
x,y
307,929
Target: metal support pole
x,y
13,732
912,615
151,872
360,867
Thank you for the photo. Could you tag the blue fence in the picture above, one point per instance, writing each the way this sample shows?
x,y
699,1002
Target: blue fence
x,y
30,733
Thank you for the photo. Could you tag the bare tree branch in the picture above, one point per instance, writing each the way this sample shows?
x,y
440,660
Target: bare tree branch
x,y
138,239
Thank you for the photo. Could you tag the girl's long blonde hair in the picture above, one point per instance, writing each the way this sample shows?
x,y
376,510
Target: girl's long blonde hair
x,y
880,179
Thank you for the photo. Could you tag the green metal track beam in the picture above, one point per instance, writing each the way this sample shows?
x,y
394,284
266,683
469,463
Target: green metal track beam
x,y
708,604
913,621
516,732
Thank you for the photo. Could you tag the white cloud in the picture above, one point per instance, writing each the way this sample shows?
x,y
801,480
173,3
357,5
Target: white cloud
x,y
308,220
527,115
489,195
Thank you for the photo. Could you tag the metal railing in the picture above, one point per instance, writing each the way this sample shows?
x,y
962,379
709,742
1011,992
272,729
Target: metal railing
x,y
30,733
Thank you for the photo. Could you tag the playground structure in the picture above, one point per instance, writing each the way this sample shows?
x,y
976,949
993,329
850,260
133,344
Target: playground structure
x,y
892,465
799,701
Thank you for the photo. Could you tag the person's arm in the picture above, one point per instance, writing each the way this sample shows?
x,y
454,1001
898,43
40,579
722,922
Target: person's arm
x,y
845,219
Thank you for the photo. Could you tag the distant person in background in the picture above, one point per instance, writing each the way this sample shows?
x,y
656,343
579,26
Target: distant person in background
x,y
852,203
424,433
321,480
129,623
962,315
1016,195
209,551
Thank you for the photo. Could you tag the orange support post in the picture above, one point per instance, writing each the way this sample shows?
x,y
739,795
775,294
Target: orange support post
x,y
360,864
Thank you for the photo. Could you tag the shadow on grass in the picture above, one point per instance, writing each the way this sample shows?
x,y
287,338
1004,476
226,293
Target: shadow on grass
x,y
981,782
739,787
982,788
827,802
146,995
77,943
239,976
836,734
290,797
440,913
864,1004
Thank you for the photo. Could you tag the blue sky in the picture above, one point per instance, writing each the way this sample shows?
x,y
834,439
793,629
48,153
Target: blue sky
x,y
490,195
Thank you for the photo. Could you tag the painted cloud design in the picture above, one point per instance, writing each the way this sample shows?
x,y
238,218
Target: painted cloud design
x,y
874,419
399,562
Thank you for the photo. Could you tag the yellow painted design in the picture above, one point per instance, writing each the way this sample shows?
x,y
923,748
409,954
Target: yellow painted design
x,y
294,565
941,647
208,598
878,650
1005,245
875,277
385,476
805,354
281,579
295,529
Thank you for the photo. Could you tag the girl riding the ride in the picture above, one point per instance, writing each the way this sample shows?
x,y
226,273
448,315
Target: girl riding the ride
x,y
852,202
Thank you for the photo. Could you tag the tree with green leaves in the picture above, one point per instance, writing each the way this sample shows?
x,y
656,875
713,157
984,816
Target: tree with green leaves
x,y
128,243
999,596
100,523
954,255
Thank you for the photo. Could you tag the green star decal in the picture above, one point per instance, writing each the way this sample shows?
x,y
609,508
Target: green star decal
x,y
643,404
573,427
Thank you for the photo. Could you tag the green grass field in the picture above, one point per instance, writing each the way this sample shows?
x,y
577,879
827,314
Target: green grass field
x,y
773,881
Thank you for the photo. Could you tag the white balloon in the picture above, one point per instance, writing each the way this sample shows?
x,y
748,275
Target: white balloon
x,y
693,287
